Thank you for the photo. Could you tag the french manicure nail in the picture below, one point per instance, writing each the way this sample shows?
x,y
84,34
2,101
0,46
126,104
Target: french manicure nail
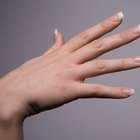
x,y
130,92
120,15
55,32
136,30
137,59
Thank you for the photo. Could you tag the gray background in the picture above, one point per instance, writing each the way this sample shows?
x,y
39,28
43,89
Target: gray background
x,y
26,31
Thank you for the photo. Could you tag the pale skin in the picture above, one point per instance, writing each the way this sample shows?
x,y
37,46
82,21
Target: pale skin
x,y
57,77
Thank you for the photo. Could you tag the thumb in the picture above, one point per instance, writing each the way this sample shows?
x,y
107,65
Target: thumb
x,y
58,39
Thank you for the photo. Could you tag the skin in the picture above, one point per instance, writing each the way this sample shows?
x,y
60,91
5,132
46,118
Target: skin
x,y
57,77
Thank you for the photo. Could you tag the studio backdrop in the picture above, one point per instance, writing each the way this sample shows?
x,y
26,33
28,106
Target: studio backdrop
x,y
26,31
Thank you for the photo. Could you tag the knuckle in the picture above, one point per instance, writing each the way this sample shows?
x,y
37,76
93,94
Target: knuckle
x,y
97,90
124,35
98,44
104,25
84,36
123,62
113,92
100,65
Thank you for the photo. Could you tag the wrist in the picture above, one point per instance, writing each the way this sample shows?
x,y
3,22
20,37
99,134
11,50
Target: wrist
x,y
10,106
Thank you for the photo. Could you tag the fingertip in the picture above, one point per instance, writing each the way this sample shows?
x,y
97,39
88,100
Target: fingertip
x,y
55,32
129,92
124,93
58,38
120,15
111,22
55,35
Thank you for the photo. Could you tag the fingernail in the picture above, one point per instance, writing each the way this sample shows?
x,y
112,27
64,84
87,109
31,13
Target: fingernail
x,y
55,32
137,59
130,92
136,29
120,15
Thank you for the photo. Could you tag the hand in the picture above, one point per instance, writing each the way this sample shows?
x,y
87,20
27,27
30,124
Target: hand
x,y
57,77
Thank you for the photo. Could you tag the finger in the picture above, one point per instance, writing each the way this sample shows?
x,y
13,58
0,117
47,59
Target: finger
x,y
58,42
94,32
101,46
102,91
99,67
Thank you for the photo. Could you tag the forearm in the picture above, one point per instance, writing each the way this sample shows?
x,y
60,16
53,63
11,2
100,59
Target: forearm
x,y
11,131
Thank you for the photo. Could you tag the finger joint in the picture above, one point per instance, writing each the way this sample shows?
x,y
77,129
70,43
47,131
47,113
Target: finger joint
x,y
84,36
100,65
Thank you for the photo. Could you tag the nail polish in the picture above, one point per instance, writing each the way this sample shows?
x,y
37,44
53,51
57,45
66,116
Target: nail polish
x,y
120,15
55,32
130,92
137,59
136,30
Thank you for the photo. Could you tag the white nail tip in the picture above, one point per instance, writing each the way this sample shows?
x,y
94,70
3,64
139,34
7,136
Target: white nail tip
x,y
129,92
138,28
55,32
132,91
120,15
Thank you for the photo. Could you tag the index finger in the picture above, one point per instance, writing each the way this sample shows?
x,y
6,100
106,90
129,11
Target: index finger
x,y
94,32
